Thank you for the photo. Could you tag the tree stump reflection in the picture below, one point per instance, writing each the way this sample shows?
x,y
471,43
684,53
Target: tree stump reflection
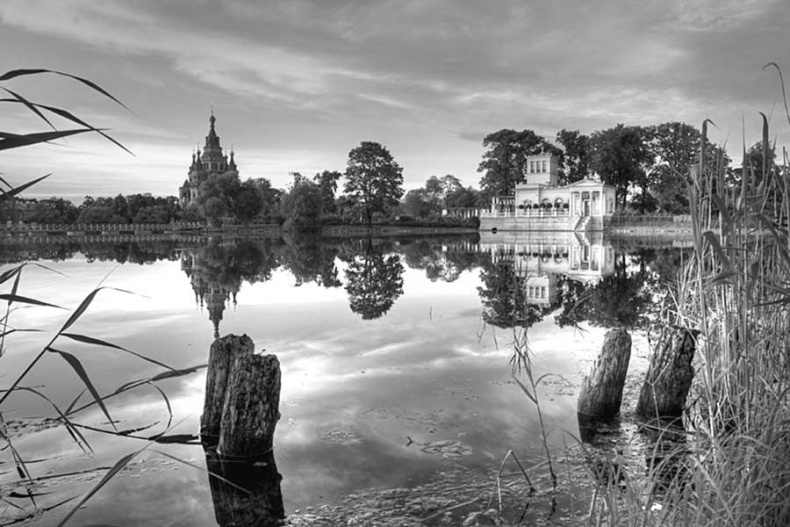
x,y
245,493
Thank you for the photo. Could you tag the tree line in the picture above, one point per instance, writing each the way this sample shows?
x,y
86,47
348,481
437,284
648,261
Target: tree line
x,y
648,165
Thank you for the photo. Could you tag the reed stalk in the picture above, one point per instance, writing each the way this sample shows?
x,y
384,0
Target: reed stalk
x,y
735,467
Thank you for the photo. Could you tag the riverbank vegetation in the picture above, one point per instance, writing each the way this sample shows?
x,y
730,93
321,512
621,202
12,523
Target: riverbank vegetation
x,y
729,461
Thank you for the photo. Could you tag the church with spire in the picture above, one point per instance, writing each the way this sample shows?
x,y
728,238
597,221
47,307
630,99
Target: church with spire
x,y
210,162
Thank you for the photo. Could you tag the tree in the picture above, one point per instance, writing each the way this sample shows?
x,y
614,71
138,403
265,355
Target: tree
x,y
759,162
437,190
434,194
416,203
620,157
270,197
575,160
216,195
373,283
462,198
99,210
674,147
301,205
373,179
54,210
327,183
504,163
247,203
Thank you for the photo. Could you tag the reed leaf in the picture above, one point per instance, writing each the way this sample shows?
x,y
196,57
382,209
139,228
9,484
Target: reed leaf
x,y
167,404
30,106
83,375
74,402
140,382
71,117
724,212
119,465
75,434
10,141
768,224
7,275
710,236
8,194
36,71
782,85
181,439
198,467
11,298
525,390
85,339
162,376
19,330
84,305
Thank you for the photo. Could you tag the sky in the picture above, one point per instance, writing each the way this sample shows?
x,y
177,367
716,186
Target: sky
x,y
296,84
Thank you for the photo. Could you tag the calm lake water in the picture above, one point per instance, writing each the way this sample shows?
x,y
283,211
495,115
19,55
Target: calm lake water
x,y
397,360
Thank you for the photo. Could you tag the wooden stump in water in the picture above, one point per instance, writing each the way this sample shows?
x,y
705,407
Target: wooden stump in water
x,y
602,389
668,379
221,362
251,409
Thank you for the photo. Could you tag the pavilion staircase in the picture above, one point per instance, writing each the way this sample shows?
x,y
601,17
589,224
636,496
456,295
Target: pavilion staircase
x,y
582,224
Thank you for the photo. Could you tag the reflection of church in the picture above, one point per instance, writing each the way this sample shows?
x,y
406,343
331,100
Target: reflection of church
x,y
542,257
212,162
211,291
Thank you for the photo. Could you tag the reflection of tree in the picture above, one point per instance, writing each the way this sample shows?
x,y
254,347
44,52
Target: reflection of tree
x,y
373,283
311,261
504,297
621,299
437,263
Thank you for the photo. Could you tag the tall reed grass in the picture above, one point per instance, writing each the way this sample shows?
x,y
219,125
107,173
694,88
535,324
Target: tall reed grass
x,y
734,467
26,500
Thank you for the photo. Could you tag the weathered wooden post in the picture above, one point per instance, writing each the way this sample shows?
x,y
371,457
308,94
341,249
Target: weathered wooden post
x,y
602,389
221,362
251,409
240,413
668,379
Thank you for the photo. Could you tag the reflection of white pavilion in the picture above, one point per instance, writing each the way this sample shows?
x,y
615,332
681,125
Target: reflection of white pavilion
x,y
542,257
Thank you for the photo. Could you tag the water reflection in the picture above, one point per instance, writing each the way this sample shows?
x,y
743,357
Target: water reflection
x,y
525,276
356,391
216,272
530,275
245,493
373,281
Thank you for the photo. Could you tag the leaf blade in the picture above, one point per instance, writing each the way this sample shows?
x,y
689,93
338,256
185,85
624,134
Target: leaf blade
x,y
75,363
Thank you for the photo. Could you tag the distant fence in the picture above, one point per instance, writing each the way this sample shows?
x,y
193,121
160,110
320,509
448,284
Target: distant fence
x,y
99,228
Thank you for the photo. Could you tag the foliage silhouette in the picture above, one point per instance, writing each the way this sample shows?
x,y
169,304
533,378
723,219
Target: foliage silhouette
x,y
373,282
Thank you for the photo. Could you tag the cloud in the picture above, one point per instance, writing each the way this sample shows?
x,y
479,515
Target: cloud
x,y
318,77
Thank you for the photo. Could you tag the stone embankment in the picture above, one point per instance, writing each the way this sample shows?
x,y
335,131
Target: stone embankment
x,y
650,225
